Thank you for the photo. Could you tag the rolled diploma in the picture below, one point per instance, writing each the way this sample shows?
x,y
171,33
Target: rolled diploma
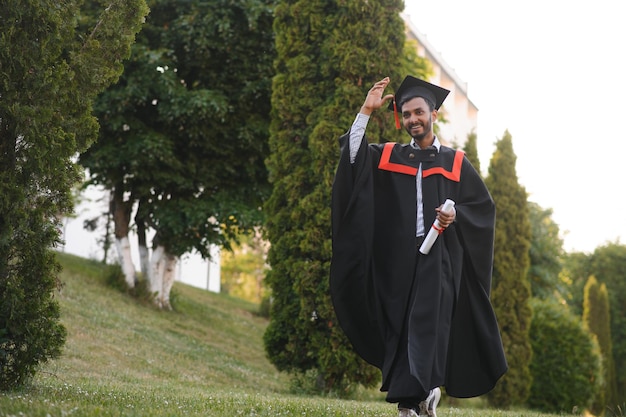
x,y
434,232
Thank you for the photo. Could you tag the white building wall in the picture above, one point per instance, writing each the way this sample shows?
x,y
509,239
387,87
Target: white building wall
x,y
458,109
201,273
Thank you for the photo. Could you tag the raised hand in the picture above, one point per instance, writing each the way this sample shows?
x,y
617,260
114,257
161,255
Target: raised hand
x,y
375,98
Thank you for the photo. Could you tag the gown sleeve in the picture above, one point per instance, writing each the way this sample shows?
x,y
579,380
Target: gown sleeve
x,y
351,284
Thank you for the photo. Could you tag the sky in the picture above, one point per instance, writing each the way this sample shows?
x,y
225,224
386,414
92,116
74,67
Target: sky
x,y
552,73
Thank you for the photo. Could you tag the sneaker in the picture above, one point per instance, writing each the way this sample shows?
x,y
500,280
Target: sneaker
x,y
428,407
407,412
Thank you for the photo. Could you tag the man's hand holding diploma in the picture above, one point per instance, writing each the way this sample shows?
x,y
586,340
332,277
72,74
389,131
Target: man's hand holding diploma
x,y
445,215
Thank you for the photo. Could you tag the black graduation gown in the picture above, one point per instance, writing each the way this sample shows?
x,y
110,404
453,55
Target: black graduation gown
x,y
453,336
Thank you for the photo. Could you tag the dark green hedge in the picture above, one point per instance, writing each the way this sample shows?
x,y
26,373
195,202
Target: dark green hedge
x,y
566,364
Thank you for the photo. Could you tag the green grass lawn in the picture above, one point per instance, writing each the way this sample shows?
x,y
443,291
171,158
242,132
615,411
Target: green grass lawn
x,y
205,358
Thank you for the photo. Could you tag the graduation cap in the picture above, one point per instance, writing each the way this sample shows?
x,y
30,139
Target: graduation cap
x,y
412,87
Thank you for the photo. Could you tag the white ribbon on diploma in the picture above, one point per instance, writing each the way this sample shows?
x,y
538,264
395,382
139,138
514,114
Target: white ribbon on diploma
x,y
435,230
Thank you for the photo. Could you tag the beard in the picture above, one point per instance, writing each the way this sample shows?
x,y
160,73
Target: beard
x,y
419,137
426,129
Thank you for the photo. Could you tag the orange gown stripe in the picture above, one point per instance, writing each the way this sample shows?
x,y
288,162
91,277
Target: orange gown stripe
x,y
387,165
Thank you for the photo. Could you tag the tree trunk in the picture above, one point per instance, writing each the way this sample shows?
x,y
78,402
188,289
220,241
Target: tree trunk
x,y
144,254
144,259
155,273
162,274
106,242
121,216
124,257
169,275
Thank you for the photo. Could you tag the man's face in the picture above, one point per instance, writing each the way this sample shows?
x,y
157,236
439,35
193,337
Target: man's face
x,y
417,118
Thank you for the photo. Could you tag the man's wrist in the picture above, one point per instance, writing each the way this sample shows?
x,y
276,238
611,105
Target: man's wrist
x,y
366,111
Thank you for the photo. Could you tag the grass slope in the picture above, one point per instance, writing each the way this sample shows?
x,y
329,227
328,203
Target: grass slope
x,y
206,358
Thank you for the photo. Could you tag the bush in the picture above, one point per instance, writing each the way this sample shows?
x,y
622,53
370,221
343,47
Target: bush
x,y
30,330
566,365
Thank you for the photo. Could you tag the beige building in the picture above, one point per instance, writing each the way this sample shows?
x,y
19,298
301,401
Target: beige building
x,y
461,113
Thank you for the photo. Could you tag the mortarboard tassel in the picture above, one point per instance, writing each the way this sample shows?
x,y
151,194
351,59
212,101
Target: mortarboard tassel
x,y
395,115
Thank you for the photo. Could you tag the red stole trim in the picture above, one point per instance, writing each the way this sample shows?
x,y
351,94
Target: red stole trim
x,y
454,175
387,165
390,166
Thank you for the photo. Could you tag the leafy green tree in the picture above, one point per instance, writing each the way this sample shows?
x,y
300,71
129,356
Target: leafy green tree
x,y
329,55
597,318
510,287
51,68
185,132
566,364
575,273
546,252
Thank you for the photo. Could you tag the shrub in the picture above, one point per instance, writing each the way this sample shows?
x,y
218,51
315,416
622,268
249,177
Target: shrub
x,y
30,330
566,365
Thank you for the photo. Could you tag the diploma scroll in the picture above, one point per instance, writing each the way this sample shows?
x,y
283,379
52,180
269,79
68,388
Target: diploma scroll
x,y
435,230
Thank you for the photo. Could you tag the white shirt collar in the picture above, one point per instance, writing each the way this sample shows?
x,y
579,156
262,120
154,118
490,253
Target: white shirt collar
x,y
436,144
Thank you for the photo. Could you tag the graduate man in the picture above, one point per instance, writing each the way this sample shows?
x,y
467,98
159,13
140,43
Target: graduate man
x,y
425,320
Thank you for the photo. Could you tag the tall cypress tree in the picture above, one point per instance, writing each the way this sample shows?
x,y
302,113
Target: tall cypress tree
x,y
471,150
51,68
511,289
329,55
608,264
597,318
